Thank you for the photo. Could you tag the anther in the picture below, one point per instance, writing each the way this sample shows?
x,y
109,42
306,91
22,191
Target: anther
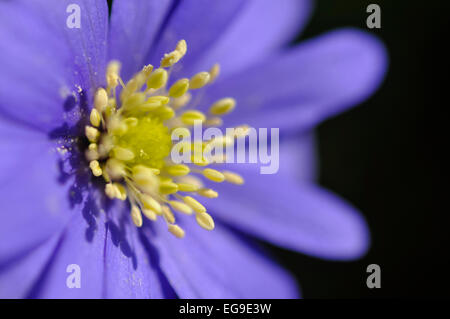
x,y
157,79
199,80
205,221
92,152
95,118
233,178
179,88
207,192
95,168
136,216
112,74
181,207
178,170
184,187
92,133
168,215
213,175
190,117
176,230
150,214
223,106
194,204
168,187
214,72
150,203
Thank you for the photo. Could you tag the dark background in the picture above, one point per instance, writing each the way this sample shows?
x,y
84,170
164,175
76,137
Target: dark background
x,y
380,156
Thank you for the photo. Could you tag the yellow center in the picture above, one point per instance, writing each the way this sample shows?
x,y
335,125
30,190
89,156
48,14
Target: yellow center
x,y
130,142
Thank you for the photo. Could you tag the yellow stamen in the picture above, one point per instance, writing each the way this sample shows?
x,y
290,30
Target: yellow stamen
x,y
194,204
168,215
130,142
136,216
179,88
178,170
205,221
157,79
181,207
233,178
95,118
92,133
223,106
214,72
213,175
150,203
149,214
95,168
190,117
207,192
176,230
199,80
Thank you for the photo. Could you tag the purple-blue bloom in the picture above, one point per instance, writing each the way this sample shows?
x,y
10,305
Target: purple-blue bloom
x,y
55,214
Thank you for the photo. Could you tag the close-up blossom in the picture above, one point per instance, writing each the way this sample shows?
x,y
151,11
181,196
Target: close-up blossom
x,y
87,110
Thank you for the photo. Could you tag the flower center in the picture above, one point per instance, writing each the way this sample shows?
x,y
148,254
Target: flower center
x,y
130,142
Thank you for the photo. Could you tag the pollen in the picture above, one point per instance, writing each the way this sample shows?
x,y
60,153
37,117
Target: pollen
x,y
130,143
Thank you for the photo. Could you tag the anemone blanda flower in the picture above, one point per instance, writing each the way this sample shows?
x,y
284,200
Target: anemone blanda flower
x,y
54,213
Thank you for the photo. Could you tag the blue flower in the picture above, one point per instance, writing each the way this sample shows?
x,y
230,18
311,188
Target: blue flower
x,y
54,213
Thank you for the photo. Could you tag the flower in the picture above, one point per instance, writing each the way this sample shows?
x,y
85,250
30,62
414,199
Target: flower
x,y
55,213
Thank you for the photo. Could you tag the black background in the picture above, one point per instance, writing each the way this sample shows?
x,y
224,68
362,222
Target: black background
x,y
381,156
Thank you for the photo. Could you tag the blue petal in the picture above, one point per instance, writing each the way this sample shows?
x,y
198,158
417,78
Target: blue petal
x,y
199,22
83,245
305,85
34,201
44,61
133,28
217,264
260,28
294,215
298,157
131,269
17,277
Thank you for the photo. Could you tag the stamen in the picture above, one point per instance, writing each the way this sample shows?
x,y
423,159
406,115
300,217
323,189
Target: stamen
x,y
150,203
136,216
179,88
233,178
181,207
149,214
223,106
95,168
199,80
205,221
194,204
92,133
183,187
168,215
189,117
176,230
178,170
214,72
207,192
100,100
95,118
130,142
213,175
157,79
